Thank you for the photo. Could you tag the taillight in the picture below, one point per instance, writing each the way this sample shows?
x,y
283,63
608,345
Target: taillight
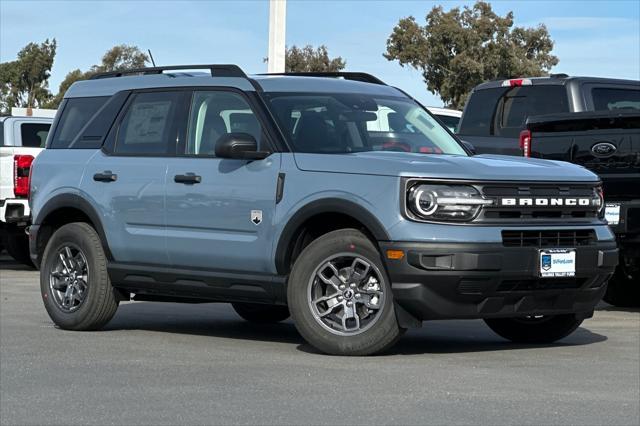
x,y
21,167
525,143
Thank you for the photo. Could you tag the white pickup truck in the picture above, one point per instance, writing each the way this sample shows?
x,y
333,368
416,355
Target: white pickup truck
x,y
21,140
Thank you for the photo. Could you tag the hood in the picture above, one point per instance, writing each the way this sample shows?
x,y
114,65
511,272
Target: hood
x,y
478,167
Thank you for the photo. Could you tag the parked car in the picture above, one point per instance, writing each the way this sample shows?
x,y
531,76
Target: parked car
x,y
21,140
450,117
592,122
270,192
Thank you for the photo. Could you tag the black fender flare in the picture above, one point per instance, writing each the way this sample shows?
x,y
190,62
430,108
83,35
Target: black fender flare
x,y
325,205
74,201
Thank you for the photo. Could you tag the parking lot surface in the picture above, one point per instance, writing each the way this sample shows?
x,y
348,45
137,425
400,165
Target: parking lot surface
x,y
186,364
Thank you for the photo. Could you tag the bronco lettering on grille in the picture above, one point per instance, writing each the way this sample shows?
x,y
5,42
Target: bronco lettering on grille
x,y
544,202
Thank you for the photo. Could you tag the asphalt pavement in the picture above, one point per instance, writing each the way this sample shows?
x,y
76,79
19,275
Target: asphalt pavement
x,y
159,363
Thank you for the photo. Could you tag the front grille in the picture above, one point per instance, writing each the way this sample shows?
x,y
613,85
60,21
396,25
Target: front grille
x,y
541,284
561,238
538,213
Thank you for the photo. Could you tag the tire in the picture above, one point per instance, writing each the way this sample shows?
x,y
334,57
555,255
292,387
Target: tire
x,y
261,314
546,329
94,300
377,330
623,289
18,248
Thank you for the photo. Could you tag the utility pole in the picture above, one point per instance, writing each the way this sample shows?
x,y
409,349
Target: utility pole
x,y
277,28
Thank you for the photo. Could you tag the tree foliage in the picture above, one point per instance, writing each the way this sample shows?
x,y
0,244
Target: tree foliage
x,y
121,57
118,58
25,80
459,49
308,59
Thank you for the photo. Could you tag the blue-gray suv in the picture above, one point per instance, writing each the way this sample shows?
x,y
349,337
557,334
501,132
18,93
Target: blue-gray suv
x,y
332,198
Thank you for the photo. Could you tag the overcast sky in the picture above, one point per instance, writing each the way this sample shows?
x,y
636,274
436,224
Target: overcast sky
x,y
595,38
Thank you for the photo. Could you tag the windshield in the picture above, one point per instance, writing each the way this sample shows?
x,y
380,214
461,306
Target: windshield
x,y
343,123
450,121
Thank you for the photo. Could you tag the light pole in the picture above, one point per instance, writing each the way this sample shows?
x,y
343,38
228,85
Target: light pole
x,y
277,27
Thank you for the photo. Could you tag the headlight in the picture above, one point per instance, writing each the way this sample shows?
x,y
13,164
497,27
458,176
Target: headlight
x,y
445,203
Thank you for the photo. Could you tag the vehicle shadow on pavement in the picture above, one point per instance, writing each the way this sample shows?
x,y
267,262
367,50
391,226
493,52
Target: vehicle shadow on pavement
x,y
475,336
610,308
205,319
8,264
457,336
219,320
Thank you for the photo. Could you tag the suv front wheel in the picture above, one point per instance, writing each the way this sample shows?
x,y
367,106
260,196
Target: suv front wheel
x,y
75,287
340,297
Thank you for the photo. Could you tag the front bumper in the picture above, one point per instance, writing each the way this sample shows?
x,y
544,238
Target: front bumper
x,y
489,280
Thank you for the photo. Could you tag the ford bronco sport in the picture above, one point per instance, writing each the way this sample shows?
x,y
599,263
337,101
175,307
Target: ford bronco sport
x,y
333,198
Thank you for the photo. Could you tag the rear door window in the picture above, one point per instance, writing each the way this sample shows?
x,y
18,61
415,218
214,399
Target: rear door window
x,y
149,126
34,135
610,99
76,114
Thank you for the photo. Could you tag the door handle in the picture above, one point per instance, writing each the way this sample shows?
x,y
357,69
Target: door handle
x,y
187,178
106,176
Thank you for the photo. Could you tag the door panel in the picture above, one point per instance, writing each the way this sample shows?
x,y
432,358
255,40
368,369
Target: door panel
x,y
128,182
210,202
209,223
131,206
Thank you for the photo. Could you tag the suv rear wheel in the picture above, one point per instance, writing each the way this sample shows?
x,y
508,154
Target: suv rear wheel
x,y
74,283
261,314
340,297
535,329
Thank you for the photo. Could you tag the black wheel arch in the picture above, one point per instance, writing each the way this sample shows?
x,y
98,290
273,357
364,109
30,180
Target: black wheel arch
x,y
338,206
62,209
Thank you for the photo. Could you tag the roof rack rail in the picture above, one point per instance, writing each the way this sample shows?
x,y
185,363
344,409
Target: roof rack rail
x,y
222,70
355,76
559,75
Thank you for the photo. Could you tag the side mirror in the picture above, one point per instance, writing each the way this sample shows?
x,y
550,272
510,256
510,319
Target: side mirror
x,y
240,146
469,147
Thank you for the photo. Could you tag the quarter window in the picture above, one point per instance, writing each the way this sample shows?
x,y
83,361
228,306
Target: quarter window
x,y
149,126
214,114
75,115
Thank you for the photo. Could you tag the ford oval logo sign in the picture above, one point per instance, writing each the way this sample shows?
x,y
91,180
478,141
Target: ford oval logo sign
x,y
603,149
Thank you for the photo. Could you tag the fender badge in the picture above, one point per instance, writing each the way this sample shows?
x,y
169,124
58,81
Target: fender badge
x,y
256,217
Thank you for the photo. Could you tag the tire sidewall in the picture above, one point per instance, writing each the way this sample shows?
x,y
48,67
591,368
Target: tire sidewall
x,y
73,234
371,340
